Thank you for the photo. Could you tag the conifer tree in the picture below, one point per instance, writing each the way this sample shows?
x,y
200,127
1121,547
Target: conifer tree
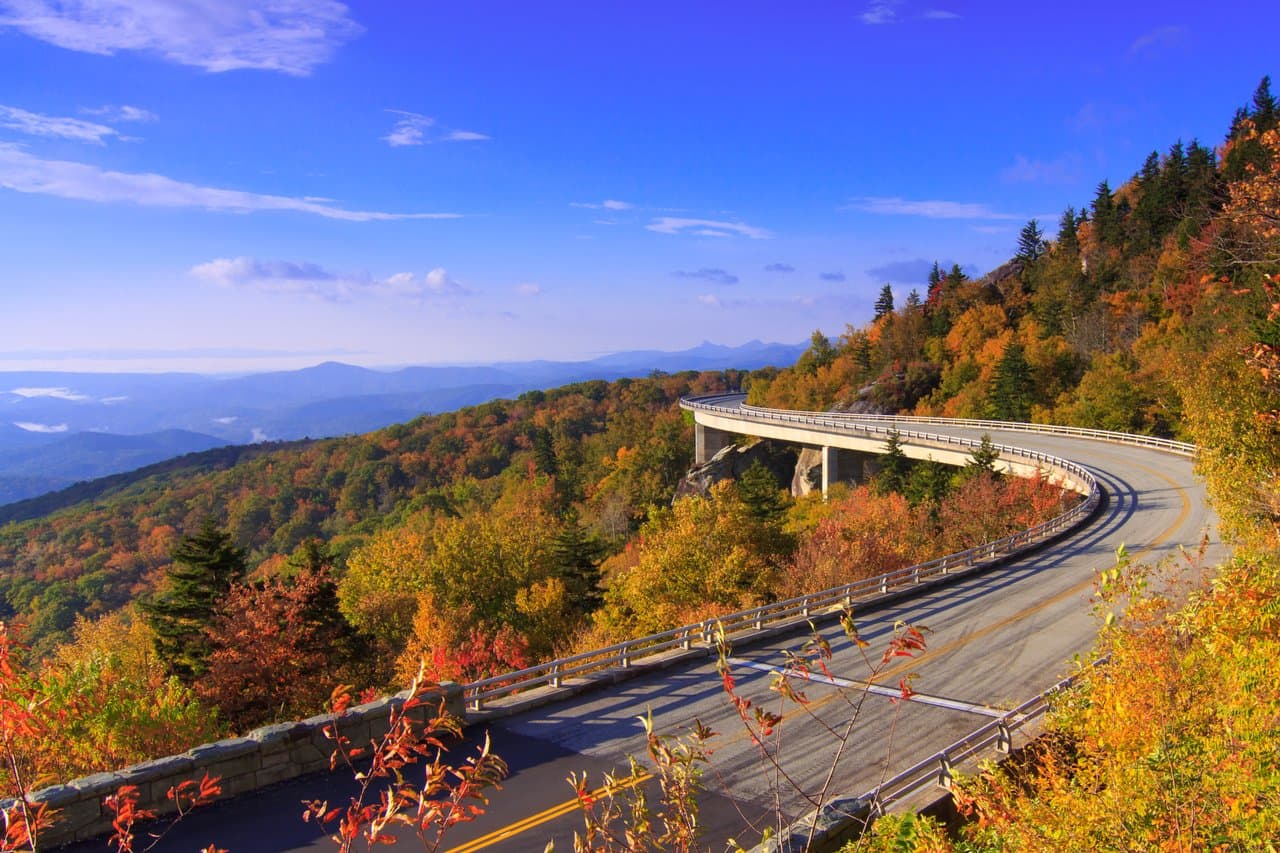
x,y
576,555
884,302
895,468
761,493
1068,240
205,565
1010,397
1031,243
983,458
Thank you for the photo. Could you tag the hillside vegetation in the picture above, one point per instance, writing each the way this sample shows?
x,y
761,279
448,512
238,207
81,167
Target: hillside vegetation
x,y
1172,746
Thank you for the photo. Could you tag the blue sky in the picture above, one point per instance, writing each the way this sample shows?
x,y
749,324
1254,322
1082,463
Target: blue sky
x,y
224,185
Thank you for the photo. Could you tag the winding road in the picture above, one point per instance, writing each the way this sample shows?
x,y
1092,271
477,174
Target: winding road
x,y
995,639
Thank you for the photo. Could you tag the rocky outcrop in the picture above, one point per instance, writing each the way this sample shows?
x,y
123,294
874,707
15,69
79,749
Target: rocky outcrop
x,y
808,472
733,461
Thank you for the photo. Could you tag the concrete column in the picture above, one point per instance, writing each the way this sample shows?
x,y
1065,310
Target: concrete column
x,y
830,467
707,442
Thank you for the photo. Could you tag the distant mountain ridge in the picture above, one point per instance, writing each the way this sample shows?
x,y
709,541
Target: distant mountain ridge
x,y
56,428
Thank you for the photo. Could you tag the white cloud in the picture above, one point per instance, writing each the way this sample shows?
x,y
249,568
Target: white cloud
x,y
607,204
939,15
289,36
1062,170
416,129
227,420
36,124
707,227
714,275
709,299
26,173
55,393
880,12
111,401
29,426
258,435
1155,40
308,279
930,209
529,289
123,112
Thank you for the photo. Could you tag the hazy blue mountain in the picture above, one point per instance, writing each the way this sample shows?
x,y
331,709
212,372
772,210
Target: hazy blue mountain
x,y
56,428
32,471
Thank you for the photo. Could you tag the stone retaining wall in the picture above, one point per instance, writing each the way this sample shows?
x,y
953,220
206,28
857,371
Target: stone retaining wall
x,y
262,757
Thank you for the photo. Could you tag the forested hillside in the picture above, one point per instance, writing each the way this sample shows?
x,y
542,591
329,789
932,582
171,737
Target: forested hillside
x,y
613,449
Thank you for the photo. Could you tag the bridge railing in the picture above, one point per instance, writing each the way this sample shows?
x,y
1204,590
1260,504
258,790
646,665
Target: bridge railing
x,y
556,672
838,821
1182,448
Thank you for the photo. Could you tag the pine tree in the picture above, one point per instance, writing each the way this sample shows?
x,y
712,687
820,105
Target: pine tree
x,y
1011,387
1106,216
956,277
1265,114
759,490
1031,243
576,555
205,565
983,458
913,300
895,467
819,354
1068,239
884,302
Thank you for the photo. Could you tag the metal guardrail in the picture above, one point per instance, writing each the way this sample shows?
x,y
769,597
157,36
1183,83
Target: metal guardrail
x,y
844,818
1182,448
555,672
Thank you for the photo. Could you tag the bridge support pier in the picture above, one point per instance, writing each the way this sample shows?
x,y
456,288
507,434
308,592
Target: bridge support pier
x,y
830,467
708,441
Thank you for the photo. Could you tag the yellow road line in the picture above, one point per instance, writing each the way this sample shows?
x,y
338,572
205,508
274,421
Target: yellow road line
x,y
544,816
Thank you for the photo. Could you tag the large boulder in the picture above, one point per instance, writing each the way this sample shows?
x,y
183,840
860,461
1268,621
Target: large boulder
x,y
807,476
733,461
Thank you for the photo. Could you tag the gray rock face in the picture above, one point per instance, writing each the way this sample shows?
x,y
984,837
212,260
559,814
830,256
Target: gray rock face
x,y
808,472
732,462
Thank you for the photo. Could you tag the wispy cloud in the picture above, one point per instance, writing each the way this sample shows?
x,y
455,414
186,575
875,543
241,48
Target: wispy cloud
x,y
707,228
834,277
930,209
289,36
529,289
889,12
607,204
711,274
779,268
26,173
880,12
1156,40
37,124
313,280
120,113
30,426
57,393
1061,170
417,129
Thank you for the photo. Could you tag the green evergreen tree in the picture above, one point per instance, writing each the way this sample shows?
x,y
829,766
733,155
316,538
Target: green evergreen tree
x,y
1106,216
205,565
895,467
956,277
1068,239
1011,387
884,302
1031,244
929,482
983,458
761,492
576,555
913,300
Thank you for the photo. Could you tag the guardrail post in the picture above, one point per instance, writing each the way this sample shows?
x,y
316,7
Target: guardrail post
x,y
915,575
556,680
1004,737
944,772
476,704
884,584
624,657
